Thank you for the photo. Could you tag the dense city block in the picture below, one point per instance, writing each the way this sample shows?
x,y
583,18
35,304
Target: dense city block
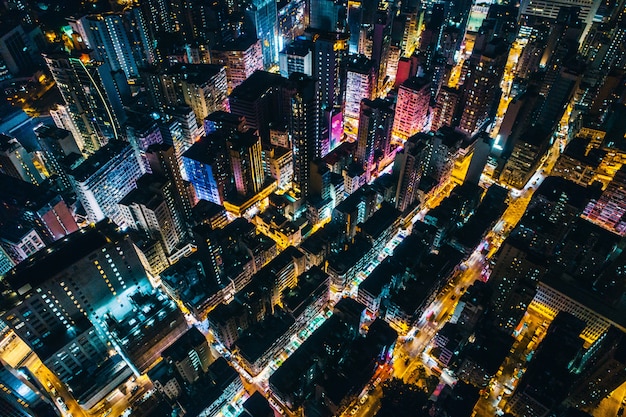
x,y
313,208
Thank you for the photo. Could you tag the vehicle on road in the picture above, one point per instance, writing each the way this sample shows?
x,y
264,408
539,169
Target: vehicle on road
x,y
62,404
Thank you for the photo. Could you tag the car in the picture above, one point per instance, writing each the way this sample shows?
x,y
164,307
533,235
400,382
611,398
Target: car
x,y
354,411
453,297
62,404
620,412
363,399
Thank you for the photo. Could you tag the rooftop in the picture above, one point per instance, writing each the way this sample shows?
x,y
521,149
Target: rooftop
x,y
99,159
60,255
256,85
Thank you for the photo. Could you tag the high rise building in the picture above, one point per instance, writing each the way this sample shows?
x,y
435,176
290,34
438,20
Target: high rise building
x,y
151,208
162,161
142,131
203,87
374,135
330,50
92,94
63,120
411,113
514,279
260,101
241,57
304,121
481,91
103,179
108,36
480,155
207,168
19,241
610,209
68,318
18,50
190,355
549,9
296,57
600,371
379,37
408,170
16,162
264,16
328,15
546,381
159,13
37,207
19,397
183,128
446,108
246,162
406,68
56,145
360,84
109,266
278,164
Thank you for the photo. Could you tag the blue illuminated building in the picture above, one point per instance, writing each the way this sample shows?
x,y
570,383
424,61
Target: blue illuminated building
x,y
264,15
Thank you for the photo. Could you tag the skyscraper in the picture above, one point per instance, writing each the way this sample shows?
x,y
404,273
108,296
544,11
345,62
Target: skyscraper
x,y
610,210
16,162
481,91
92,95
446,108
296,57
19,397
304,128
260,102
360,84
203,87
207,168
162,161
18,50
328,15
408,170
151,208
546,381
108,36
190,355
600,371
264,16
241,57
68,317
411,113
246,162
330,50
374,134
102,180
550,8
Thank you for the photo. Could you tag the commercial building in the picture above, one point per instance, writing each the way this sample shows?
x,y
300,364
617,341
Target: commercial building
x,y
102,180
97,116
241,57
412,108
16,162
360,84
203,87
